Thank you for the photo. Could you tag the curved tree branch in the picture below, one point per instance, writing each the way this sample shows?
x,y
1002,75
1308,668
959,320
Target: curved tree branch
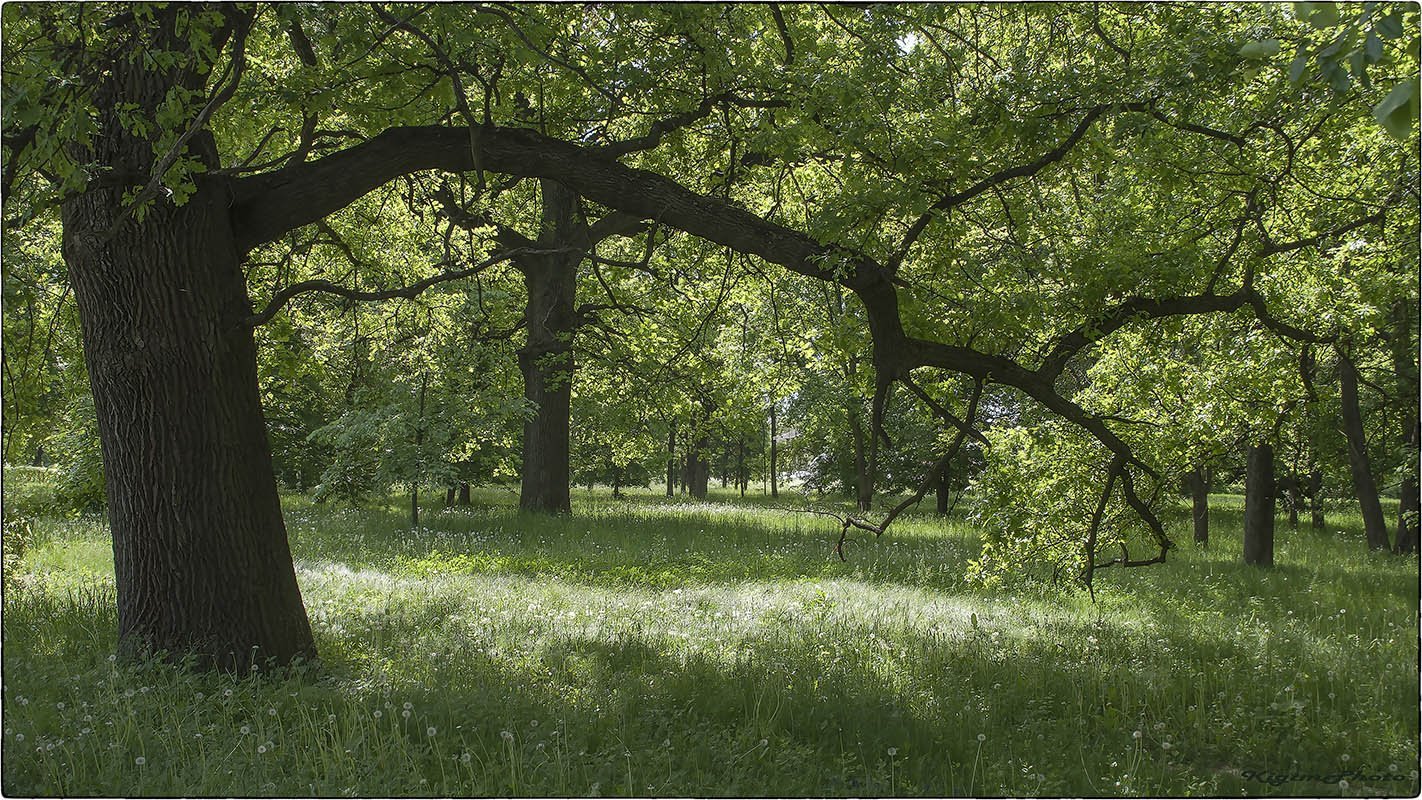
x,y
281,298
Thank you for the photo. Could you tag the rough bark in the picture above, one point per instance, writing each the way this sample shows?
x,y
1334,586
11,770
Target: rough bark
x,y
201,559
1259,506
546,359
1374,526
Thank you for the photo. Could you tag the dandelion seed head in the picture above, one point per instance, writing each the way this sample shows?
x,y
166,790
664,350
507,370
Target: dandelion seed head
x,y
893,751
982,737
140,761
245,729
430,731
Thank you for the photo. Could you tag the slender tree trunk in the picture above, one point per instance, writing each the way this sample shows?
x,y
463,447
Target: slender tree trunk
x,y
741,478
1259,507
419,454
464,493
774,455
671,459
449,497
1404,357
616,482
202,565
942,491
863,487
1407,512
1315,499
1200,504
1364,487
1291,490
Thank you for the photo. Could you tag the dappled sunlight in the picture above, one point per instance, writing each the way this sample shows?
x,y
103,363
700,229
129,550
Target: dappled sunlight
x,y
562,651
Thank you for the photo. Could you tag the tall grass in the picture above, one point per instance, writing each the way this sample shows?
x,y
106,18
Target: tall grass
x,y
654,647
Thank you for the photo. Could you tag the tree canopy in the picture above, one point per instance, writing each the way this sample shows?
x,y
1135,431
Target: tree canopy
x,y
1079,251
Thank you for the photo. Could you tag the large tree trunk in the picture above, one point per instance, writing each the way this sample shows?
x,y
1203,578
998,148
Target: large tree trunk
x,y
546,360
1259,507
201,559
202,565
1199,481
698,470
464,493
1374,526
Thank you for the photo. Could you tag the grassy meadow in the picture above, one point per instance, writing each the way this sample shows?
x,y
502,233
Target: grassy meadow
x,y
655,647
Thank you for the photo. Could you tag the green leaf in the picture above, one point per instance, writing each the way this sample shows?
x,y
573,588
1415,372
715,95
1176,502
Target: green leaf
x,y
1358,65
1398,110
1320,15
1390,26
1260,49
1373,48
1337,77
1296,69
